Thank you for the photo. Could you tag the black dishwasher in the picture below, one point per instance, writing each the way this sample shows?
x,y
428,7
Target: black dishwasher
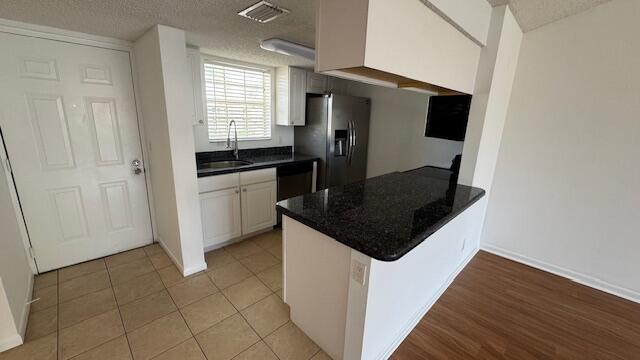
x,y
294,180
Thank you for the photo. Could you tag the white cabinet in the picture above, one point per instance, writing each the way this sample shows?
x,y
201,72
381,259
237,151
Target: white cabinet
x,y
316,83
237,204
258,206
221,217
398,43
291,97
196,89
336,85
292,86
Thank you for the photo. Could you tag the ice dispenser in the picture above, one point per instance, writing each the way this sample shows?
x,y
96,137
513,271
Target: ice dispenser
x,y
340,143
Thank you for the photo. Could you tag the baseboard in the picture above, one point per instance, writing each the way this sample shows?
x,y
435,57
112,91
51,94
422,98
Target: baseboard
x,y
575,276
24,319
185,272
423,311
17,338
171,255
194,269
21,328
10,342
235,240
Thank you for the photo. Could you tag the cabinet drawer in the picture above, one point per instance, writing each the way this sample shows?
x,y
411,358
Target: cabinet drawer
x,y
217,182
257,176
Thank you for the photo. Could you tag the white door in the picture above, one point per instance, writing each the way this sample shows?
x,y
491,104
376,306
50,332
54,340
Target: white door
x,y
220,216
258,206
68,118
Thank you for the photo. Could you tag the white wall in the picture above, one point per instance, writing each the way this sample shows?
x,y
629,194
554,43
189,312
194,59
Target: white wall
x,y
494,84
162,69
411,285
350,319
565,194
319,306
471,17
396,131
16,277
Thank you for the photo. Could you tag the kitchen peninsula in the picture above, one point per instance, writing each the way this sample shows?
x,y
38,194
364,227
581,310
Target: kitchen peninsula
x,y
365,261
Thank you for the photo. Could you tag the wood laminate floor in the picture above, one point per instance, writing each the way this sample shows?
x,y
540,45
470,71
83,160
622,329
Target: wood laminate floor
x,y
500,309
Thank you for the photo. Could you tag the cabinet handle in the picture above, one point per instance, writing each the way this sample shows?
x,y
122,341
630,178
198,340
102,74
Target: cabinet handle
x,y
237,191
244,190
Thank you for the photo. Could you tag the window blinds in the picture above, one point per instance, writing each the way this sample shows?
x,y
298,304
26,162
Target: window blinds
x,y
237,93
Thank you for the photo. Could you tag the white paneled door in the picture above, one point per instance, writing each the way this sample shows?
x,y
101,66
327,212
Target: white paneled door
x,y
69,122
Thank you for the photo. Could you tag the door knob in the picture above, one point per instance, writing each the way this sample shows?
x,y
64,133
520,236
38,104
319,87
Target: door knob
x,y
136,165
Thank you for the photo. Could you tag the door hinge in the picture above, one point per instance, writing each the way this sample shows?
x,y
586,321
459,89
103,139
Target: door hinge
x,y
32,252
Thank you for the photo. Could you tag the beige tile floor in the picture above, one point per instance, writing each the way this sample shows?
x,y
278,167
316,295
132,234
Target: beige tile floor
x,y
136,305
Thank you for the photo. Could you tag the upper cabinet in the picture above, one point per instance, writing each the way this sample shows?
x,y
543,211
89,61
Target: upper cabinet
x,y
316,83
293,85
400,43
336,85
196,89
291,89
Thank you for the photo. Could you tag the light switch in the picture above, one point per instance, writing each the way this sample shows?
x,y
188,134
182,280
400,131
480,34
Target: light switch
x,y
359,272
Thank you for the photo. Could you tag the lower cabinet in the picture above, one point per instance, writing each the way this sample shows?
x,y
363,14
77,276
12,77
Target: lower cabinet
x,y
220,215
258,206
233,205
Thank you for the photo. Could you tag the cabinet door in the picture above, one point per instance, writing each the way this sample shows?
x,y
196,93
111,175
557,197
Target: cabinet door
x,y
258,206
195,82
297,96
316,83
220,216
337,85
283,94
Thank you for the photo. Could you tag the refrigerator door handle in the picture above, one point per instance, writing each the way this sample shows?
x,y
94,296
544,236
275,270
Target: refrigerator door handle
x,y
351,142
354,136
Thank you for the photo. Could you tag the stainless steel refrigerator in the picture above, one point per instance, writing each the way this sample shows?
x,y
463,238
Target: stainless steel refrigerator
x,y
337,131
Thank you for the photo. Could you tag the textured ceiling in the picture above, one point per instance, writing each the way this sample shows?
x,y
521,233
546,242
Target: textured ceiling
x,y
532,14
215,26
210,24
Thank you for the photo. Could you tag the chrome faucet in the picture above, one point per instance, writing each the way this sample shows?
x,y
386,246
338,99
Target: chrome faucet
x,y
235,144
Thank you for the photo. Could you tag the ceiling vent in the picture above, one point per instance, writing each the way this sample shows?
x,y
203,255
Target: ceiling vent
x,y
263,12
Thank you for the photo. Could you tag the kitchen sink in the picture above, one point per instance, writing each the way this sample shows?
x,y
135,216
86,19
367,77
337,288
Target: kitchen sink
x,y
222,164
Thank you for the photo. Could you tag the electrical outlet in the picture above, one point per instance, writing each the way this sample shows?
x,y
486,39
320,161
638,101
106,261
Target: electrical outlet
x,y
359,272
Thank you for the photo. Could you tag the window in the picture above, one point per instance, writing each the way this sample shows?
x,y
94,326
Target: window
x,y
240,93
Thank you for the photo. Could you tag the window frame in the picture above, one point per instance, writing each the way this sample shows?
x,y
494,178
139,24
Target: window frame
x,y
224,61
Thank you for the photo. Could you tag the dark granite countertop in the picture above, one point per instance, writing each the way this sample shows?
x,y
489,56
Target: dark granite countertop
x,y
386,216
260,159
